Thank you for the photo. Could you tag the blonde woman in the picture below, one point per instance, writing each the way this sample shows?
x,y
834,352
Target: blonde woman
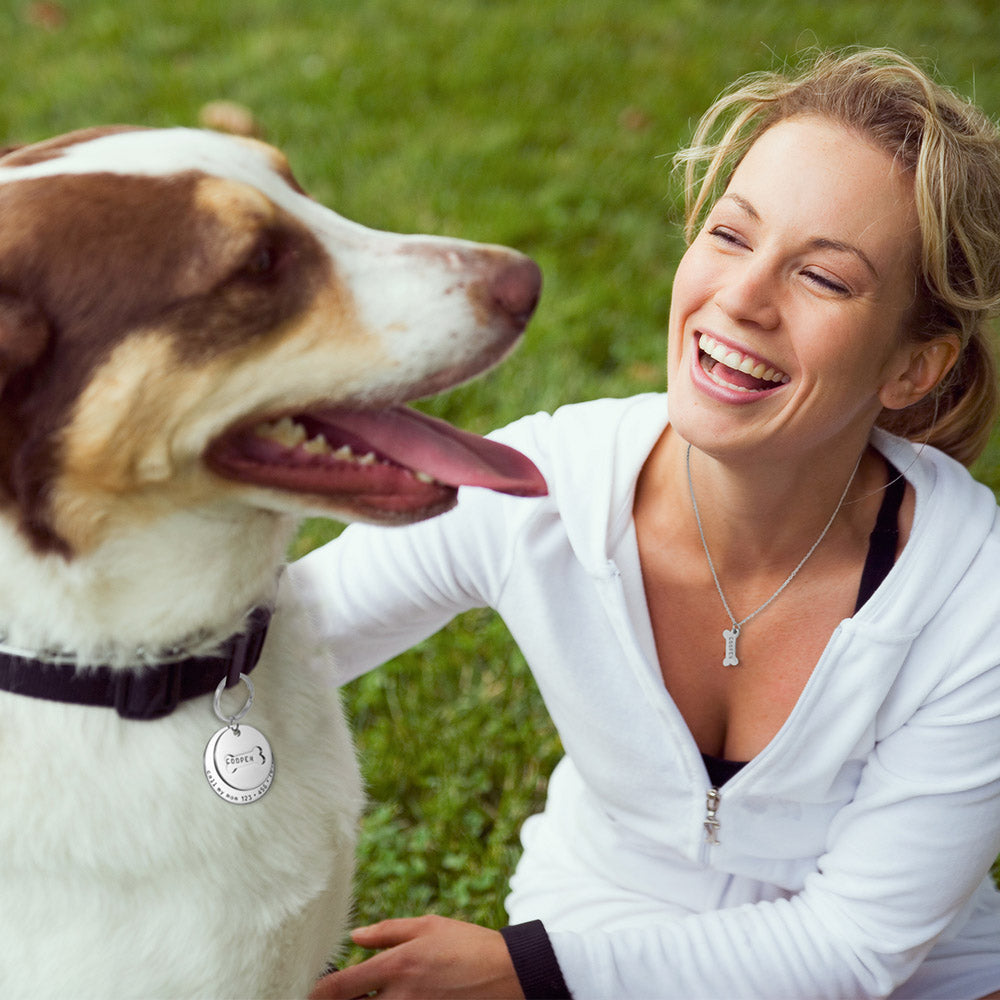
x,y
764,612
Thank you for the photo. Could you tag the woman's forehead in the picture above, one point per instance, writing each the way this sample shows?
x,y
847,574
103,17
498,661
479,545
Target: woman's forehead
x,y
827,181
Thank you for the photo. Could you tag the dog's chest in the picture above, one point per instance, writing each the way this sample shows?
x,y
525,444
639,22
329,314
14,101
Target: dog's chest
x,y
105,820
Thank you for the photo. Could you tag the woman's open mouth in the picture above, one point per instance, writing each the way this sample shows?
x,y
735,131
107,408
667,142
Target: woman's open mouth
x,y
734,370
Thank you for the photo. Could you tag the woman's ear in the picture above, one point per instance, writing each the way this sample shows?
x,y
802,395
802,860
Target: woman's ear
x,y
917,369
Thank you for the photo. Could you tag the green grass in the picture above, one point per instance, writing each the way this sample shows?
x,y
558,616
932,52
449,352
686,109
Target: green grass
x,y
542,124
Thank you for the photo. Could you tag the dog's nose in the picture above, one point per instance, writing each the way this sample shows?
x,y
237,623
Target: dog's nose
x,y
515,288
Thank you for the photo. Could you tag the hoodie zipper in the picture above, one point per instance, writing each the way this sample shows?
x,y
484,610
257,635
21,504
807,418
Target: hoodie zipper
x,y
711,823
615,590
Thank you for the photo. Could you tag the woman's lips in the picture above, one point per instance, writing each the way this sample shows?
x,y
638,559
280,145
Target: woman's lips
x,y
732,369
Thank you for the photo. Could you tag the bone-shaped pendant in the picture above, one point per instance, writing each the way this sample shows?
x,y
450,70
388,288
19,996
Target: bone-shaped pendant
x,y
731,635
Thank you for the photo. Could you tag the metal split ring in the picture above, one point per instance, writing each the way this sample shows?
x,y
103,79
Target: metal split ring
x,y
233,720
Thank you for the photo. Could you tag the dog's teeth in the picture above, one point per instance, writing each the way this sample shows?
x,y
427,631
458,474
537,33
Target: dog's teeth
x,y
290,434
317,446
289,431
285,432
422,477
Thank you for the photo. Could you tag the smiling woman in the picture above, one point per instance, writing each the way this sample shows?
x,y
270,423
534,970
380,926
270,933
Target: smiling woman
x,y
766,628
819,288
946,145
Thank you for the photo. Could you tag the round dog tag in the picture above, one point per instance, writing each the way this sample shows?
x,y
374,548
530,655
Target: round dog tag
x,y
239,764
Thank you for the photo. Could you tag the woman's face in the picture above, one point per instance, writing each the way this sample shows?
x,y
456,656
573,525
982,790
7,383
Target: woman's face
x,y
788,309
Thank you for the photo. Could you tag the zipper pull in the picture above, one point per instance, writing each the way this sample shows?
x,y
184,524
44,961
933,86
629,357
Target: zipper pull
x,y
712,799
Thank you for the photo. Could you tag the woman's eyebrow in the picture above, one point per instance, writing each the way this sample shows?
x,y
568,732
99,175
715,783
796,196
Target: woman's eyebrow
x,y
744,204
818,242
822,243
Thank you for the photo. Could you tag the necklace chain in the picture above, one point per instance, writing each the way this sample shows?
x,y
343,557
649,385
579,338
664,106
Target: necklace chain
x,y
731,635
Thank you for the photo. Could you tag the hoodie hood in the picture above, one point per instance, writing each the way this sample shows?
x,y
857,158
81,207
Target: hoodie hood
x,y
953,518
604,441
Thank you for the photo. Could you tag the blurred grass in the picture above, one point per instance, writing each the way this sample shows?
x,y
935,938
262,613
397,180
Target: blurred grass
x,y
537,123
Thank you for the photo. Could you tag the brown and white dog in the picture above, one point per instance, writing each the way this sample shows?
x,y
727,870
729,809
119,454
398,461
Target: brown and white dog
x,y
194,355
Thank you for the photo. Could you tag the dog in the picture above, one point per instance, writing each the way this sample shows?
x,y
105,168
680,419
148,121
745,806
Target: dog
x,y
193,356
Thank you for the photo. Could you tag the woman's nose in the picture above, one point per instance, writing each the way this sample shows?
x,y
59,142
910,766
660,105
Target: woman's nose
x,y
748,294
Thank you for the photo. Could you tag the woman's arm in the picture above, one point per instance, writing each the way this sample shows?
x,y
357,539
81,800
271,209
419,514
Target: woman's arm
x,y
376,591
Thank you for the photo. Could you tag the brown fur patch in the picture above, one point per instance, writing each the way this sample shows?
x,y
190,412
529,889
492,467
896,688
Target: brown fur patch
x,y
101,256
132,448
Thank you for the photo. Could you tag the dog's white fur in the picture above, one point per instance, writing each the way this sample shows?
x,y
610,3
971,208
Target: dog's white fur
x,y
121,872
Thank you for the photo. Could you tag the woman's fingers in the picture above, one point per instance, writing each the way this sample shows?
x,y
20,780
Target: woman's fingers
x,y
389,933
425,957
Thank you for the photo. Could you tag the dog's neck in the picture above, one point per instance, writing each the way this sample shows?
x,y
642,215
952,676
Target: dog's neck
x,y
193,574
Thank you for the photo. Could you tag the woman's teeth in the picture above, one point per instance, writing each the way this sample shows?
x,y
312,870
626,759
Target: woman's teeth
x,y
740,362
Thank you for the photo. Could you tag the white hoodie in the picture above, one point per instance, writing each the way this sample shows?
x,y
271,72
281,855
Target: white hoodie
x,y
853,851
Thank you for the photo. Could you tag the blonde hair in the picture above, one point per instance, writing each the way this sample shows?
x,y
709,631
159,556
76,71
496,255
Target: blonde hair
x,y
953,150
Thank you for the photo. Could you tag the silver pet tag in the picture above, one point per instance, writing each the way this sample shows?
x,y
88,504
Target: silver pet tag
x,y
239,764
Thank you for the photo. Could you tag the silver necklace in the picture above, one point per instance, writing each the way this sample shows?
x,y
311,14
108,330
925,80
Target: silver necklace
x,y
730,635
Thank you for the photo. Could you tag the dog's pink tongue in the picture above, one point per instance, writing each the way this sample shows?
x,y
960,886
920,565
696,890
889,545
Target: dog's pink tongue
x,y
456,458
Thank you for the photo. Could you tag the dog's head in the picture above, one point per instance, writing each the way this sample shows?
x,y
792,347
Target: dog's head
x,y
181,324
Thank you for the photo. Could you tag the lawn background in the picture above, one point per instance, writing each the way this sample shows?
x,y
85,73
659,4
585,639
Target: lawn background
x,y
540,124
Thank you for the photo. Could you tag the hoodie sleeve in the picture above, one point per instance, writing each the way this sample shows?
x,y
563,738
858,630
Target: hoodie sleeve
x,y
903,860
374,592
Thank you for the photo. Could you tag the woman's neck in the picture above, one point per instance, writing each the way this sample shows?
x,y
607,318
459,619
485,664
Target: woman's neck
x,y
762,516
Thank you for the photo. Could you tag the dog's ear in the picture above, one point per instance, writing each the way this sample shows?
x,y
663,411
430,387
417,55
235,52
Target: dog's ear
x,y
24,334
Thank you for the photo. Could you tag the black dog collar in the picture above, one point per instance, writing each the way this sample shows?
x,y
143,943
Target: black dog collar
x,y
147,692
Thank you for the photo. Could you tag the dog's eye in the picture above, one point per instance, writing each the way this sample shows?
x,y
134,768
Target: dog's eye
x,y
265,261
261,262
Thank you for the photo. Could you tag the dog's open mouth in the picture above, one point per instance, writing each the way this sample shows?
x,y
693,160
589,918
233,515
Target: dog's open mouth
x,y
392,464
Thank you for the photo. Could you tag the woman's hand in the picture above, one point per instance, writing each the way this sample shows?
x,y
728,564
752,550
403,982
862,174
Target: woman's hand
x,y
426,957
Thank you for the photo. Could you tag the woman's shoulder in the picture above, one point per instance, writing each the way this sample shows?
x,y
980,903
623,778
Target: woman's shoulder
x,y
946,569
941,483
